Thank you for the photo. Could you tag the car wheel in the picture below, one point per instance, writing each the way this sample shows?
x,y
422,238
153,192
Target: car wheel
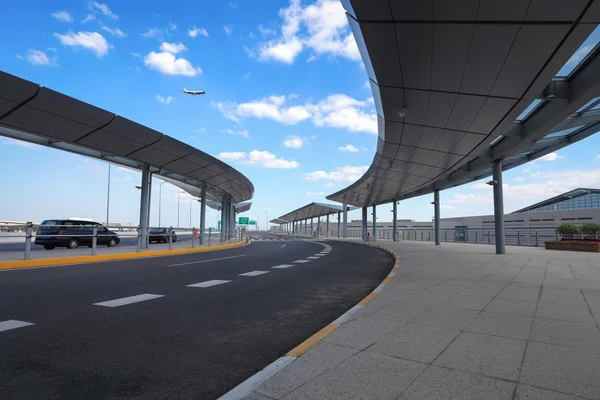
x,y
112,242
49,246
73,243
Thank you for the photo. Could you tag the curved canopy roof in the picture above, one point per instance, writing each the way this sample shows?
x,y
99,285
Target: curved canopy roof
x,y
40,115
313,210
451,79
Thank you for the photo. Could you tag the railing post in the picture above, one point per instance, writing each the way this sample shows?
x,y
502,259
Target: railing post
x,y
170,238
28,236
518,237
489,238
139,237
536,238
476,236
429,236
445,236
94,239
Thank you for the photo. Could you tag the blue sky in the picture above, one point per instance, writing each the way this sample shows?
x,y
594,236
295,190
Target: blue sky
x,y
286,103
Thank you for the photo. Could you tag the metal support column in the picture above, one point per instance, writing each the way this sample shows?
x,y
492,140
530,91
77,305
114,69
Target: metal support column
x,y
498,206
364,223
312,229
318,226
395,211
345,211
327,226
203,214
144,202
436,207
374,223
305,227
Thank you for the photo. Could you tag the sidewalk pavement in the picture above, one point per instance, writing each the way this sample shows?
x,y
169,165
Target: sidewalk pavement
x,y
459,322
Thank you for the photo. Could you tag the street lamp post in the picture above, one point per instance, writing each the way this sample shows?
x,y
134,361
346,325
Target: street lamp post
x,y
257,220
108,196
178,203
265,211
192,199
160,201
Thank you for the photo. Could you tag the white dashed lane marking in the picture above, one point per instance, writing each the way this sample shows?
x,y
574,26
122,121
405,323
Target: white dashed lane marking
x,y
206,284
205,261
13,324
283,266
301,261
129,300
313,258
254,273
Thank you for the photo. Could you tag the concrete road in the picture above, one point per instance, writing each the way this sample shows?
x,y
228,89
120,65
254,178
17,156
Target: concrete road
x,y
91,340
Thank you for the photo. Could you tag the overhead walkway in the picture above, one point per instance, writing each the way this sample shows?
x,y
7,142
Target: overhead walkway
x,y
466,89
36,114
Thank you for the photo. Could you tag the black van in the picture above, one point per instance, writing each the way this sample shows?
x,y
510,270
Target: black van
x,y
72,233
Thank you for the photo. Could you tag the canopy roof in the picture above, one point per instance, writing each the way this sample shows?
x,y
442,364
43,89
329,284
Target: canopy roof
x,y
460,84
40,115
278,221
313,210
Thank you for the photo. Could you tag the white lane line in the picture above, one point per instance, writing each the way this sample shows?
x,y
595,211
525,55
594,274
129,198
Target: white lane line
x,y
313,258
301,261
13,324
283,245
206,284
246,387
283,266
205,261
129,300
254,273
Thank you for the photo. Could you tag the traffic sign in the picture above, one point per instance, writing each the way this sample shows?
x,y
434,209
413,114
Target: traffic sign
x,y
244,220
252,222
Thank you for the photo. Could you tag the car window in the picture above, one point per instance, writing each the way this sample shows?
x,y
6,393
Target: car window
x,y
50,222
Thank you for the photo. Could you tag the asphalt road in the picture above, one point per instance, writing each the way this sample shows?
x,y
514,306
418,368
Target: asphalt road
x,y
193,343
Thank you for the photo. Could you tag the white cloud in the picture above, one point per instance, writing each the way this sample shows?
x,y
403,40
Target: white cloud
x,y
258,158
578,56
37,57
197,31
228,29
329,184
172,48
598,157
232,132
92,41
551,157
519,179
138,55
336,111
172,26
294,142
103,8
321,27
88,18
367,84
167,64
62,16
349,148
163,100
199,130
340,174
447,207
114,31
314,193
246,76
14,142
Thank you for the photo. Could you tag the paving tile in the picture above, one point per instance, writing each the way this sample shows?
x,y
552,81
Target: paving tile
x,y
437,383
445,288
493,356
519,294
562,296
445,317
313,363
480,291
564,369
256,396
414,285
584,335
567,312
512,307
362,332
429,298
511,326
363,376
526,392
401,311
415,342
467,302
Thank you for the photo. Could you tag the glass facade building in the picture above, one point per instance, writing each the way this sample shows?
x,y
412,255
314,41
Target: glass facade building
x,y
578,199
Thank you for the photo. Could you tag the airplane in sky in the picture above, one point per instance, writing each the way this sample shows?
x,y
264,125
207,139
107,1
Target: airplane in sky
x,y
193,92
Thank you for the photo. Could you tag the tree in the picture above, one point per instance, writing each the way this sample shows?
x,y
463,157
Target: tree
x,y
568,231
591,230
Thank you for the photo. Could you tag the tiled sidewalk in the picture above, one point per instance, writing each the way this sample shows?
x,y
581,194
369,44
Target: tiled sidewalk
x,y
459,322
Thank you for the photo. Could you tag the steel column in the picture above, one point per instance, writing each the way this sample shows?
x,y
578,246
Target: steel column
x,y
339,226
374,223
364,223
312,229
327,231
144,207
318,226
203,214
345,211
498,206
436,207
395,211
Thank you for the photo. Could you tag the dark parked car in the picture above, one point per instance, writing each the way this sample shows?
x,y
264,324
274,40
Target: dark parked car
x,y
161,235
72,233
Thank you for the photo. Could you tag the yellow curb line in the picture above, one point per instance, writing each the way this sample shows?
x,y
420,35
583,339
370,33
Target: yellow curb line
x,y
323,333
108,257
312,341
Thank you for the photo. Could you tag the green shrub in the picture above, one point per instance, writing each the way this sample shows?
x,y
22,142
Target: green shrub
x,y
591,230
568,231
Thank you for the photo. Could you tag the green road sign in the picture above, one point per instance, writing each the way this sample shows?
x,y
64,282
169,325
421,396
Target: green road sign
x,y
253,222
244,220
219,224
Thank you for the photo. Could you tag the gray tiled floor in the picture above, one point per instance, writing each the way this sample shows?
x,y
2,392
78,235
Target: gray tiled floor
x,y
459,322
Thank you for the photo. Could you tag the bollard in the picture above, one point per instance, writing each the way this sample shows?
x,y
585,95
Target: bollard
x,y
94,239
28,236
536,238
170,240
139,237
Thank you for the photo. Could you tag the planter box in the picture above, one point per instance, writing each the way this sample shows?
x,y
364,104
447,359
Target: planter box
x,y
593,247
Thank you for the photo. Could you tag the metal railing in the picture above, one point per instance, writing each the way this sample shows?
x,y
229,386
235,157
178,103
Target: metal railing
x,y
93,236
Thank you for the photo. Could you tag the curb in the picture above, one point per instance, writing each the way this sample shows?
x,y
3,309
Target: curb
x,y
246,387
49,262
